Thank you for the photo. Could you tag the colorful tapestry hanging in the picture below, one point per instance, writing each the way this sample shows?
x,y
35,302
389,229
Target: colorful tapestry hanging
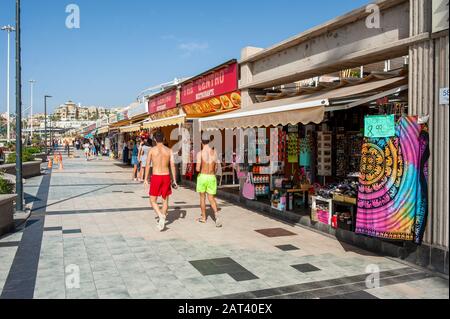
x,y
392,200
305,151
422,205
293,147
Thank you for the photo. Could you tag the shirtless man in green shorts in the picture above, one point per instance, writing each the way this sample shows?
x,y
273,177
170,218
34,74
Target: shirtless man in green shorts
x,y
207,161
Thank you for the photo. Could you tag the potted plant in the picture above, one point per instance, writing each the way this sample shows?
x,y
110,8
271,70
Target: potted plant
x,y
7,199
31,164
6,187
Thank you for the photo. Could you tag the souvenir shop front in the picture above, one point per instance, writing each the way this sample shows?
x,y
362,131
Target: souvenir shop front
x,y
115,136
209,94
132,132
165,114
102,138
346,154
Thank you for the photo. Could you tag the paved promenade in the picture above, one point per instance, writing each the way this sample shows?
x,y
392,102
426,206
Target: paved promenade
x,y
92,234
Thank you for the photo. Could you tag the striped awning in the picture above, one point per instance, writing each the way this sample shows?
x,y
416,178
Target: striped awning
x,y
174,120
131,128
103,130
304,109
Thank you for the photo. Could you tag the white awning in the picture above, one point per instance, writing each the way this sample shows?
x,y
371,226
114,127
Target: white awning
x,y
131,128
308,112
174,120
103,130
304,109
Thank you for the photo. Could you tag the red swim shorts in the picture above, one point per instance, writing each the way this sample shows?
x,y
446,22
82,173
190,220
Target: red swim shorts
x,y
161,186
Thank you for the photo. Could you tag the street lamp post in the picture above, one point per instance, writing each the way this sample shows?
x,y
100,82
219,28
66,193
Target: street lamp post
x,y
32,82
45,120
8,29
19,182
51,132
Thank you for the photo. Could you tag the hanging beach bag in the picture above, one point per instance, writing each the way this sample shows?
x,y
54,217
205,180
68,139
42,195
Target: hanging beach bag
x,y
249,189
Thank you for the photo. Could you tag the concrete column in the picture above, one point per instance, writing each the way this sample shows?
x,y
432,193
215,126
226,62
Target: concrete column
x,y
428,64
247,74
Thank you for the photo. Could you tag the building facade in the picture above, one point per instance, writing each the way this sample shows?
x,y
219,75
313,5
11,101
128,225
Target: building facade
x,y
409,32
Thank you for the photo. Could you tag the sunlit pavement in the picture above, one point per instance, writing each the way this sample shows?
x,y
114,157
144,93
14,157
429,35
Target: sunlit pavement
x,y
93,235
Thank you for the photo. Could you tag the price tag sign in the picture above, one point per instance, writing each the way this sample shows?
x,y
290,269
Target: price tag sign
x,y
379,126
443,96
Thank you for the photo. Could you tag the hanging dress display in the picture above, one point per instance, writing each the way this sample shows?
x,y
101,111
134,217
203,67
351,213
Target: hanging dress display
x,y
392,201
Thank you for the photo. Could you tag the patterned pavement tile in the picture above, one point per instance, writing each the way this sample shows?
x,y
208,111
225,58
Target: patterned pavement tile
x,y
112,240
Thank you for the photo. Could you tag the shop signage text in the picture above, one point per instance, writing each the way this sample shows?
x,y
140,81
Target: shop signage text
x,y
163,102
217,83
379,126
443,96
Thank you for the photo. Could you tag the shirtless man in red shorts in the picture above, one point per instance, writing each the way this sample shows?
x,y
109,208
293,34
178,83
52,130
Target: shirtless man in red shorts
x,y
162,161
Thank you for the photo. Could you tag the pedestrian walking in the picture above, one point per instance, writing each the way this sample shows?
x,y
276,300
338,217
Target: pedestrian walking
x,y
87,151
145,149
207,160
161,159
125,153
134,160
94,150
67,146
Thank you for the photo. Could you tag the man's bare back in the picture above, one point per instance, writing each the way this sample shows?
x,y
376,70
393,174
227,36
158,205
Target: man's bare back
x,y
162,161
159,157
207,159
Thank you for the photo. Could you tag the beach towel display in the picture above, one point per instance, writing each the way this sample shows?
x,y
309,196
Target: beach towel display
x,y
392,201
293,147
305,151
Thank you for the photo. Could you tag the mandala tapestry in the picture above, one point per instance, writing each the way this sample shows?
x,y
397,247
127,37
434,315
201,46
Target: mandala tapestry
x,y
391,201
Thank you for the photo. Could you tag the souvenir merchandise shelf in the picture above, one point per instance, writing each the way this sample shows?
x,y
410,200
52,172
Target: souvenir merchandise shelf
x,y
341,154
304,192
321,206
324,157
263,175
262,179
355,142
262,184
350,209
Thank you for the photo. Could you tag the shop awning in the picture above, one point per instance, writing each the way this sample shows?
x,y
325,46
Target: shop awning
x,y
103,130
174,120
120,123
131,128
304,109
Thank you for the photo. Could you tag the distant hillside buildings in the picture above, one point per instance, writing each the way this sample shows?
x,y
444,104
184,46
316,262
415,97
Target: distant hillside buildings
x,y
70,111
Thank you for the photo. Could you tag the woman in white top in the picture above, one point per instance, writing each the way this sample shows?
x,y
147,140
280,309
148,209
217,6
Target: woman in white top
x,y
86,151
145,148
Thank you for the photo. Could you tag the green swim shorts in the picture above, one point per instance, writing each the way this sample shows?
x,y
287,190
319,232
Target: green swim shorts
x,y
207,184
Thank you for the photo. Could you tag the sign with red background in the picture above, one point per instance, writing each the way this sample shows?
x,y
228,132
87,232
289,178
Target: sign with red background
x,y
219,82
163,102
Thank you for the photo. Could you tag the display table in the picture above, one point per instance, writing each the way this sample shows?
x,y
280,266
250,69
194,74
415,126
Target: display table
x,y
316,212
351,209
296,191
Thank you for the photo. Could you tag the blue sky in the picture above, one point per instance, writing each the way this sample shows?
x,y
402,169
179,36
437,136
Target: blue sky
x,y
124,47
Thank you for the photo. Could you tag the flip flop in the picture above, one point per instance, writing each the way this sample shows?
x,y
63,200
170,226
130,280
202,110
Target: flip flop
x,y
219,222
201,220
